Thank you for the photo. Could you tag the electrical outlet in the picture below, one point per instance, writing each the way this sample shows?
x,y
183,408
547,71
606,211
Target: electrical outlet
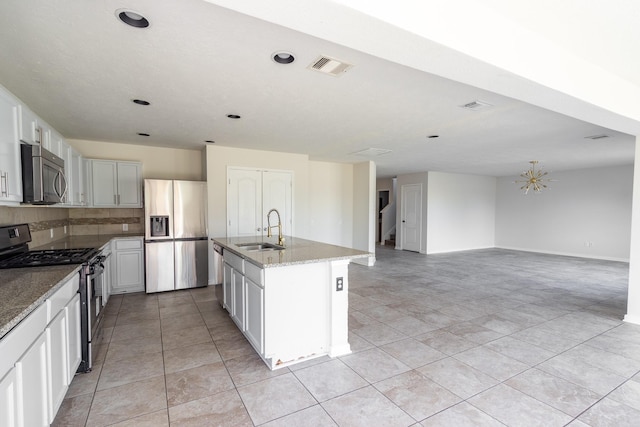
x,y
125,227
51,232
65,229
339,284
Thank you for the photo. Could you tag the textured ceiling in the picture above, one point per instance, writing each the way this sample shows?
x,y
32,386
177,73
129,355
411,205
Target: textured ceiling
x,y
79,67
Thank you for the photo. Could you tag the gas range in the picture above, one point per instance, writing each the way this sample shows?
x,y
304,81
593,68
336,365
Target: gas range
x,y
49,257
14,251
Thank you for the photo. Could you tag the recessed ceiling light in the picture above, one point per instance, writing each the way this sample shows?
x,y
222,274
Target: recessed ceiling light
x,y
233,116
132,18
141,102
433,136
283,57
143,134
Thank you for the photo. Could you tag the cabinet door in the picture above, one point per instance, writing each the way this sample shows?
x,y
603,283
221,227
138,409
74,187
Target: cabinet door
x,y
87,172
129,185
10,172
76,178
31,375
57,349
277,190
8,399
73,334
28,123
255,315
244,203
228,288
107,277
103,178
238,299
128,272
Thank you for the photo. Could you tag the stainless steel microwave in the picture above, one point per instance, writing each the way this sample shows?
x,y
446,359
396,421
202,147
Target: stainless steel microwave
x,y
43,178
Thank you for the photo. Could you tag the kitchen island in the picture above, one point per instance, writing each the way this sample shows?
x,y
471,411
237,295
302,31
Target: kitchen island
x,y
291,303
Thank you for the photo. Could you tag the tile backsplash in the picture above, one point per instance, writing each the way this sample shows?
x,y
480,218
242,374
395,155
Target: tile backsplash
x,y
48,223
106,221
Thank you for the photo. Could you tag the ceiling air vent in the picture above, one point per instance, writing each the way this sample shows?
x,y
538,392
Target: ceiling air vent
x,y
331,66
476,105
371,152
601,136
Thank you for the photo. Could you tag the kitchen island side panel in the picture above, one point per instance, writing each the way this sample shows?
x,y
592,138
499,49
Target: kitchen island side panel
x,y
297,313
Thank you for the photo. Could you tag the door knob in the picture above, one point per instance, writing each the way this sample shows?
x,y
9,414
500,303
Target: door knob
x,y
403,220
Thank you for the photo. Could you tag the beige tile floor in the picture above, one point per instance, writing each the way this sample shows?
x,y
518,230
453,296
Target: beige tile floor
x,y
477,338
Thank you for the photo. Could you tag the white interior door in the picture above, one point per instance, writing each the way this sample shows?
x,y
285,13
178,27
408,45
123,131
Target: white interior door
x,y
276,194
411,217
244,203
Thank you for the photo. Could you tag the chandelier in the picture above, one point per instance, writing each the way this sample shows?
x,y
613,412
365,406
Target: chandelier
x,y
533,179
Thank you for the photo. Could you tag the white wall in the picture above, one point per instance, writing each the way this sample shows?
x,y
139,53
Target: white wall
x,y
331,203
157,162
633,300
414,178
589,205
461,212
364,210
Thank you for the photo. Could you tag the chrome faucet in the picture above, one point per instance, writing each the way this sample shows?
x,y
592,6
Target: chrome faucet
x,y
269,227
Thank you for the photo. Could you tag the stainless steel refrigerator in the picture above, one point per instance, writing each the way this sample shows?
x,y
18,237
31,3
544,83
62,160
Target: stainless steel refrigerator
x,y
176,247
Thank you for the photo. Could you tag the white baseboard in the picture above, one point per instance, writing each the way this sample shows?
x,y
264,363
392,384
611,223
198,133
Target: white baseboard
x,y
576,255
629,318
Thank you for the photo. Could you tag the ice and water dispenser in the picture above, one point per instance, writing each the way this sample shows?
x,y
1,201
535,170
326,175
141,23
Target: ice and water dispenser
x,y
159,226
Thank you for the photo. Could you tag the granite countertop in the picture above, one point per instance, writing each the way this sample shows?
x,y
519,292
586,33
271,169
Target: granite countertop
x,y
22,290
297,251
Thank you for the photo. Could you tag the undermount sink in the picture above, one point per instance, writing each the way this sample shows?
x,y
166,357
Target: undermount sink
x,y
259,246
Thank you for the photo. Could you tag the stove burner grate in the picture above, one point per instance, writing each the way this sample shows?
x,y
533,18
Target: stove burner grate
x,y
49,257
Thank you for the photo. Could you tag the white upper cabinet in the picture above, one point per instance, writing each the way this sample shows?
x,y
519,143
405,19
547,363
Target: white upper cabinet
x,y
28,129
76,177
116,183
10,169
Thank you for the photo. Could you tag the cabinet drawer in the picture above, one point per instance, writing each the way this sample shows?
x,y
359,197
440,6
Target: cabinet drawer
x,y
254,273
234,261
121,244
63,295
18,340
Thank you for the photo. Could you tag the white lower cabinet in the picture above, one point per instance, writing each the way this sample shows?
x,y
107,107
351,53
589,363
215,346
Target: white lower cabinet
x,y
107,276
58,355
227,288
38,359
238,299
8,401
31,373
74,340
243,287
254,325
234,288
127,259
